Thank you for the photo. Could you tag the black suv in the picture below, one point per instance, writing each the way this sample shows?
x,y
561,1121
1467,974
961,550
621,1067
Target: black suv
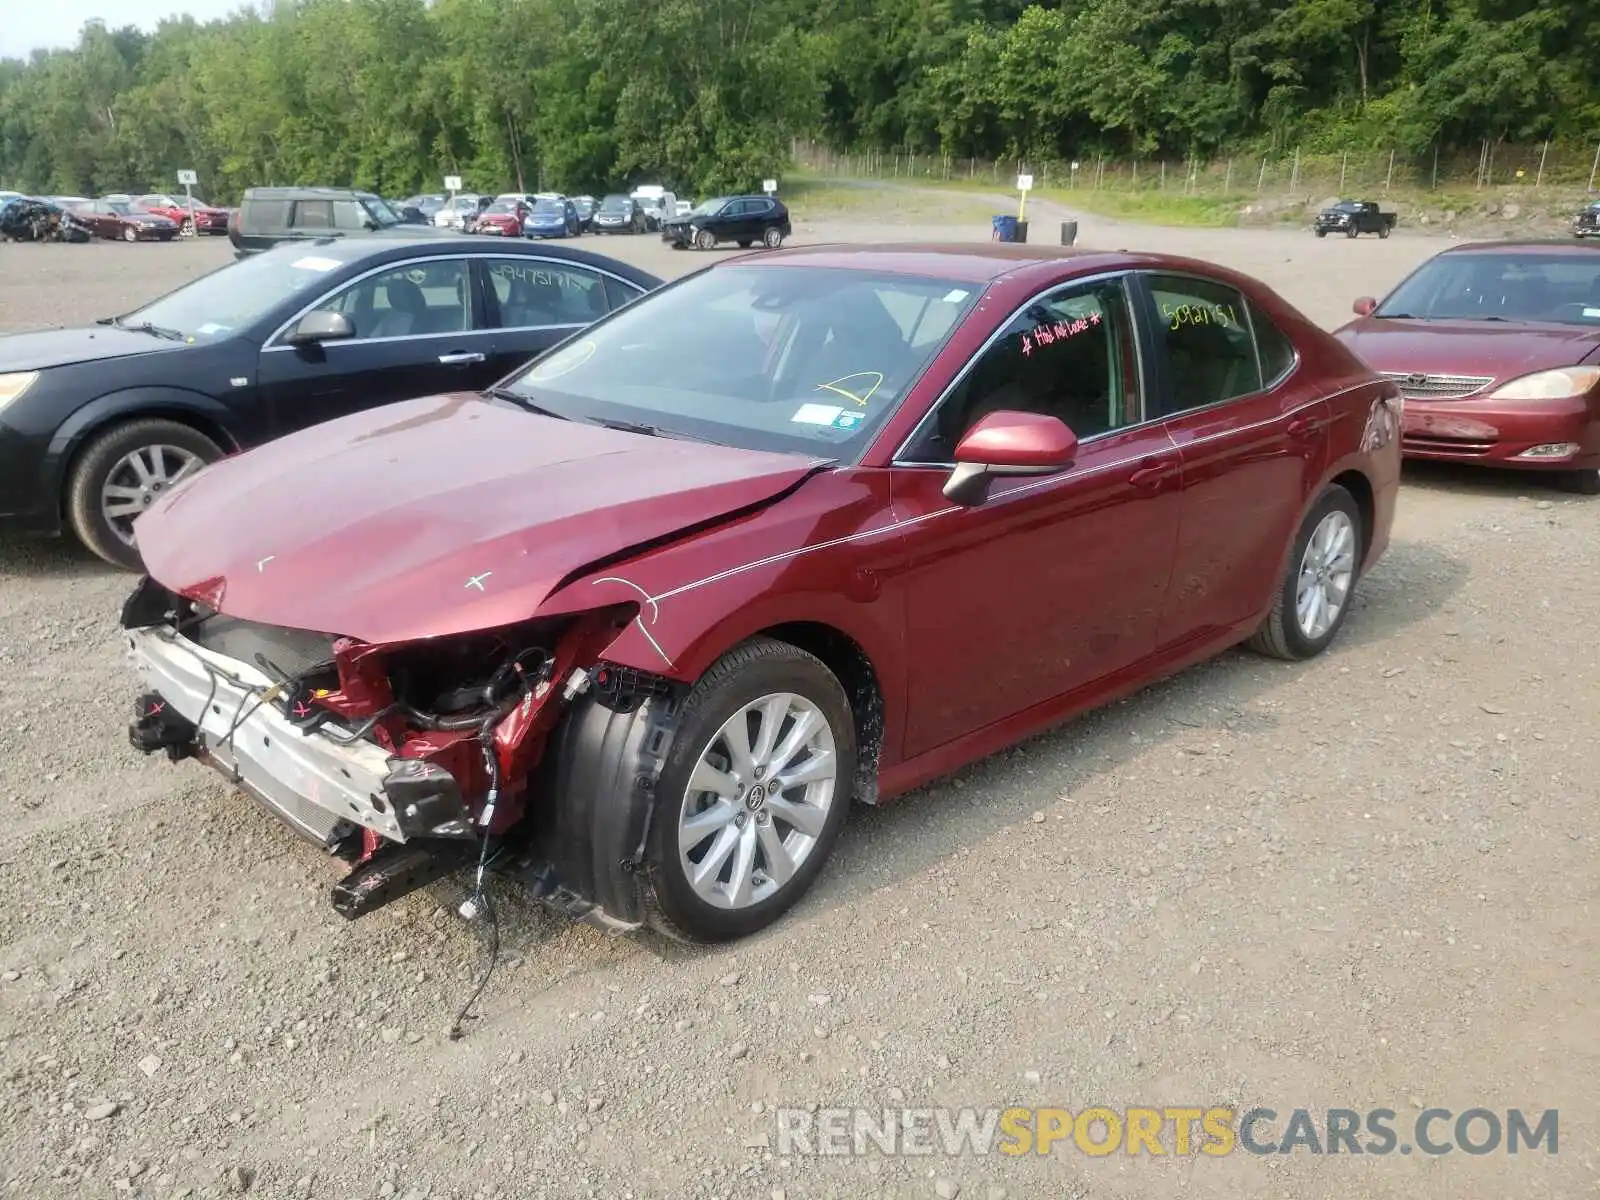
x,y
742,219
269,216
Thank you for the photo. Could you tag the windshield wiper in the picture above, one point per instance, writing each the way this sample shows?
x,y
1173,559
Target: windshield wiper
x,y
629,427
522,402
172,335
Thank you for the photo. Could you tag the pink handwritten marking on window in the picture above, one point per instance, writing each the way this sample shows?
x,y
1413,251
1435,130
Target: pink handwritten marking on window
x,y
1051,332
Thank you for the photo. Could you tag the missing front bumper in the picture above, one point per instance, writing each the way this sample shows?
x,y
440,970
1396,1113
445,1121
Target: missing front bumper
x,y
222,710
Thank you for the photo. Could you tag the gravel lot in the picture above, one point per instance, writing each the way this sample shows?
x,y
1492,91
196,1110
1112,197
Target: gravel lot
x,y
1364,882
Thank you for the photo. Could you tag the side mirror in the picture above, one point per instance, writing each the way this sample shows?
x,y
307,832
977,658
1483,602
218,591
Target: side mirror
x,y
1008,443
1364,306
321,325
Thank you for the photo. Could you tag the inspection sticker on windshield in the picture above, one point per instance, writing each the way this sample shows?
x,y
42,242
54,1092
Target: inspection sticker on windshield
x,y
817,414
314,263
954,296
1591,312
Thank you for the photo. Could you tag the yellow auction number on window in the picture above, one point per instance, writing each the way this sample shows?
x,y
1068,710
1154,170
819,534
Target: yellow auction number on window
x,y
1179,315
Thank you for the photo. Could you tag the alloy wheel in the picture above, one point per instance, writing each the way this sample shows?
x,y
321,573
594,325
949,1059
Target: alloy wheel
x,y
137,479
1327,569
757,801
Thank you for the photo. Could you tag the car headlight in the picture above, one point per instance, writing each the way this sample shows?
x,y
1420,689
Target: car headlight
x,y
1559,384
12,386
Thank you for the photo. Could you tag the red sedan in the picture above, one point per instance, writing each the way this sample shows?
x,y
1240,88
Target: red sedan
x,y
802,528
503,218
190,213
1496,348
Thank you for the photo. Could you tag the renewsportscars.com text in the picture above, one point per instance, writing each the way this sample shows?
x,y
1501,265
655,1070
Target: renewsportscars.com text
x,y
1215,1132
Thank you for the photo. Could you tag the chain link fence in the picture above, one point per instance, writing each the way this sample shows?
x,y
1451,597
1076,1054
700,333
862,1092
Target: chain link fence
x,y
1354,173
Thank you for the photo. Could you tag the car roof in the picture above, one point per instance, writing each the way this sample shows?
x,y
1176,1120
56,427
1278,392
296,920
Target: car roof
x,y
356,250
304,193
973,262
1525,246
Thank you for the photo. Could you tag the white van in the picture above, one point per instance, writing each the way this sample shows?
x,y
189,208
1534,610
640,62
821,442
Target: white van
x,y
658,204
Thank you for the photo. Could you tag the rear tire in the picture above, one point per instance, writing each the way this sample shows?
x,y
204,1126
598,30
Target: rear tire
x,y
772,238
705,240
746,685
1327,546
1383,231
1351,232
102,459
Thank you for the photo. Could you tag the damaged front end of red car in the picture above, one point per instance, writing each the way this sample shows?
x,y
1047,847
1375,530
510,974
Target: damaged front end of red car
x,y
409,760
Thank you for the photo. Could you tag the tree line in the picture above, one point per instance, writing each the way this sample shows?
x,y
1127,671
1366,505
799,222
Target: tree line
x,y
706,95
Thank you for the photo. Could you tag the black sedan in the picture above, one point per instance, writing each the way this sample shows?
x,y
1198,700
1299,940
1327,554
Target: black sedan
x,y
745,220
95,423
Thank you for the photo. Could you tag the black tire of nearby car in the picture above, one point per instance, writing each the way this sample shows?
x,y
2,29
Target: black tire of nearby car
x,y
772,238
1322,233
705,240
1383,231
130,234
1352,231
1584,483
95,462
756,668
1279,636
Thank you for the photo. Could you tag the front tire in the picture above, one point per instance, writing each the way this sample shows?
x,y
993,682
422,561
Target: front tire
x,y
1314,595
121,473
1351,232
129,234
753,794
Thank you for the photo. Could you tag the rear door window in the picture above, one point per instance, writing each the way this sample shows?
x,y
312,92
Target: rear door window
x,y
313,214
533,293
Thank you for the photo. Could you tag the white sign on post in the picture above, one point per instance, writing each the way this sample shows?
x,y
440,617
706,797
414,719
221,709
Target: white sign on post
x,y
187,179
1074,166
769,186
452,183
1024,183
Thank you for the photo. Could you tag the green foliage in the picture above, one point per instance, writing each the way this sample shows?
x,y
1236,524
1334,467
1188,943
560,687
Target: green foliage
x,y
706,95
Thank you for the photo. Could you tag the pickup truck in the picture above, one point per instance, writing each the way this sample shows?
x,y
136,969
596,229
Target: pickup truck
x,y
1587,223
1353,218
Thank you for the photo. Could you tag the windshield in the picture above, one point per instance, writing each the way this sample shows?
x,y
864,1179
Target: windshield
x,y
1561,289
236,296
549,208
615,204
380,210
803,359
118,207
707,207
502,206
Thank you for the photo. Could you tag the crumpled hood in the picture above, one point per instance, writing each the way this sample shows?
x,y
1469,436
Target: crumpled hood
x,y
435,516
1503,350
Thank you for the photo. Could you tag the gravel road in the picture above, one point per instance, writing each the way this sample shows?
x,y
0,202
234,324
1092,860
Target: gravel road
x,y
1364,882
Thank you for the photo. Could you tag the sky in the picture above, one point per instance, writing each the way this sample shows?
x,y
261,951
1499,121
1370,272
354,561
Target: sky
x,y
30,25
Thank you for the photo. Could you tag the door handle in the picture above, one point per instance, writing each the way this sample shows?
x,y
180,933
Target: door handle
x,y
460,359
1152,473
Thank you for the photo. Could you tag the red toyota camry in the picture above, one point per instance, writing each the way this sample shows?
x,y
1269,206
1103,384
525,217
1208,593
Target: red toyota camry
x,y
803,528
1494,347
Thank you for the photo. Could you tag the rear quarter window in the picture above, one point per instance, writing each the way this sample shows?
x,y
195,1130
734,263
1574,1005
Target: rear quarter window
x,y
264,214
1273,345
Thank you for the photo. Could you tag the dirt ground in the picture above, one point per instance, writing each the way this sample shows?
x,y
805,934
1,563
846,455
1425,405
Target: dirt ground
x,y
1364,882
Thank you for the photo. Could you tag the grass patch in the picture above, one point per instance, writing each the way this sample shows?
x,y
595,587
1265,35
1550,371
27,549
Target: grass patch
x,y
816,197
1154,208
